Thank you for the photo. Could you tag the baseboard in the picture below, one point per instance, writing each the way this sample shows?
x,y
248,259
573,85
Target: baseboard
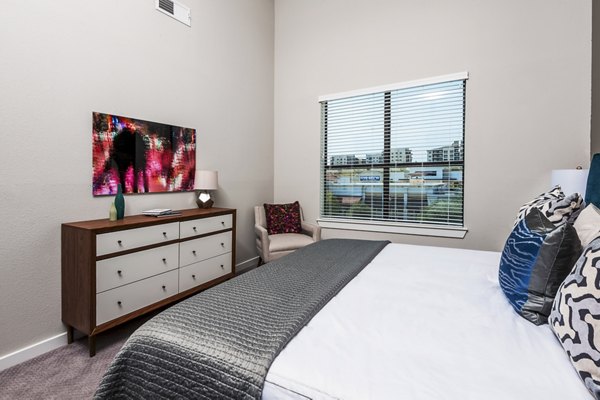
x,y
54,342
34,350
248,264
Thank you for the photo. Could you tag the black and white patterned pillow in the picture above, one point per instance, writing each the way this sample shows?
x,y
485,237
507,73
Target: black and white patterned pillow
x,y
555,206
575,317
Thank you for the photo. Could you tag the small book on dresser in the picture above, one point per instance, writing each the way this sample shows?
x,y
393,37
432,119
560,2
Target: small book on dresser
x,y
158,212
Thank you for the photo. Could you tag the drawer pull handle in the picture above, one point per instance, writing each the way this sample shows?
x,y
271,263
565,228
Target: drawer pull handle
x,y
193,276
119,272
119,303
120,243
164,287
194,252
165,234
222,244
223,223
222,266
164,260
194,228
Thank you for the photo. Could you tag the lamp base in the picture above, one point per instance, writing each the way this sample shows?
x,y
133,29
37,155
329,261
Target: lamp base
x,y
204,204
203,200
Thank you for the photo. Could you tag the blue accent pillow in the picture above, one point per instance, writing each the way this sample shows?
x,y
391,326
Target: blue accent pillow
x,y
592,191
536,259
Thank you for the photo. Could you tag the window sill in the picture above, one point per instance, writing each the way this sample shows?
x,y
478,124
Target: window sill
x,y
375,226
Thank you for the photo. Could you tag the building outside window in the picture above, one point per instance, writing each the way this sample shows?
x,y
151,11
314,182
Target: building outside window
x,y
395,154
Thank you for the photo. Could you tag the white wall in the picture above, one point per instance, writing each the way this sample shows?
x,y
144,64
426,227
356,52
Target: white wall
x,y
59,61
528,96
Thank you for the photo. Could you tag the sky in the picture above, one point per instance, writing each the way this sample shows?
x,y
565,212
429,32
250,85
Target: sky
x,y
422,118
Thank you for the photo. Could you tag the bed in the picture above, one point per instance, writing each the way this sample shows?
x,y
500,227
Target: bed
x,y
413,322
436,327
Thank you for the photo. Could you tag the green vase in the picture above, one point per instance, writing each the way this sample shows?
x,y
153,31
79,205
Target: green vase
x,y
120,203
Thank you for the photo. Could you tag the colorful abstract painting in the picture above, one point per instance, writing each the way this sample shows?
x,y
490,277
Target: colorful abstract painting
x,y
143,156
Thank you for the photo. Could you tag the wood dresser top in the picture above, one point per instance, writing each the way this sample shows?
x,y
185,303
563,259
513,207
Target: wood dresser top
x,y
135,221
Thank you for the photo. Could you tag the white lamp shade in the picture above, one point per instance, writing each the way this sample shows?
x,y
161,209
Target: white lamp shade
x,y
206,180
570,180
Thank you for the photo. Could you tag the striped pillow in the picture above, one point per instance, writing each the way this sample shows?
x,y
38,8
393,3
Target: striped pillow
x,y
575,317
555,206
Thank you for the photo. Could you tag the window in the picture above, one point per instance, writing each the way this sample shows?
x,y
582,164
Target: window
x,y
395,154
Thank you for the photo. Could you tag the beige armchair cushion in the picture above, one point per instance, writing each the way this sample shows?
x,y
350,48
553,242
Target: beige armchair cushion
x,y
288,241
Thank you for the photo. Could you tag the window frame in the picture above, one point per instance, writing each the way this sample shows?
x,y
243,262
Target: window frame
x,y
386,225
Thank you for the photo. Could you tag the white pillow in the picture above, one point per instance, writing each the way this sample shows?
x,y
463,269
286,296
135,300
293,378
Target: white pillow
x,y
587,224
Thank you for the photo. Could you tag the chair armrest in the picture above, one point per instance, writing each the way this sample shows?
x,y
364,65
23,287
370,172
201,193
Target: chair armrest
x,y
262,234
263,237
312,230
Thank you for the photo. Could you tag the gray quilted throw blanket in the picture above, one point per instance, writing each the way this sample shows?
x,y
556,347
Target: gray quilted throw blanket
x,y
219,344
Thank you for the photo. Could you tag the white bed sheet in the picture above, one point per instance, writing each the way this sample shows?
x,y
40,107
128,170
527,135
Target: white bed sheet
x,y
423,323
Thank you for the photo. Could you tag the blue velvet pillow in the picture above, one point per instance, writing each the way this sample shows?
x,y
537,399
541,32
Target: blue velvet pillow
x,y
536,259
592,192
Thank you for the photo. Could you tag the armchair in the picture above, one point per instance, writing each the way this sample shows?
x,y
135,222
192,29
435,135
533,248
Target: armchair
x,y
272,247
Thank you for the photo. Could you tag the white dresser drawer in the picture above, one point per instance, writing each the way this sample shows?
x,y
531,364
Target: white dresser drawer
x,y
205,225
118,271
112,242
125,299
204,271
203,248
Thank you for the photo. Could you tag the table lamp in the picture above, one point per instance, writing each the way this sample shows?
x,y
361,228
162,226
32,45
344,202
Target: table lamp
x,y
204,182
570,180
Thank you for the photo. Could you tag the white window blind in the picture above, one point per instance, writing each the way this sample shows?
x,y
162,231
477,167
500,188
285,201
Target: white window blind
x,y
395,154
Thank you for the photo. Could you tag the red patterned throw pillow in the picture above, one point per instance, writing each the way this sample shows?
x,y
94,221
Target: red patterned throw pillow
x,y
283,218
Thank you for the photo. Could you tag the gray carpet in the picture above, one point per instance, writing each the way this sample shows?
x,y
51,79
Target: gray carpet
x,y
67,372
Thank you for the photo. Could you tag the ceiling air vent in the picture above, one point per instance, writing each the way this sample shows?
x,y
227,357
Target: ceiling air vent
x,y
175,10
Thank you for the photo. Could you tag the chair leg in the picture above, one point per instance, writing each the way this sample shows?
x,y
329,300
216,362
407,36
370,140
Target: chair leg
x,y
260,261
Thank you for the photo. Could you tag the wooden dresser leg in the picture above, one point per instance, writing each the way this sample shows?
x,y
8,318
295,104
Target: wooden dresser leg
x,y
69,334
92,345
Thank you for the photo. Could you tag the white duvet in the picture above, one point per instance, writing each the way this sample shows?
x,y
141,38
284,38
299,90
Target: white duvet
x,y
423,323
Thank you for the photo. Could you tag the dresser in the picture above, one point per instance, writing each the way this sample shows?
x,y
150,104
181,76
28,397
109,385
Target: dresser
x,y
113,271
